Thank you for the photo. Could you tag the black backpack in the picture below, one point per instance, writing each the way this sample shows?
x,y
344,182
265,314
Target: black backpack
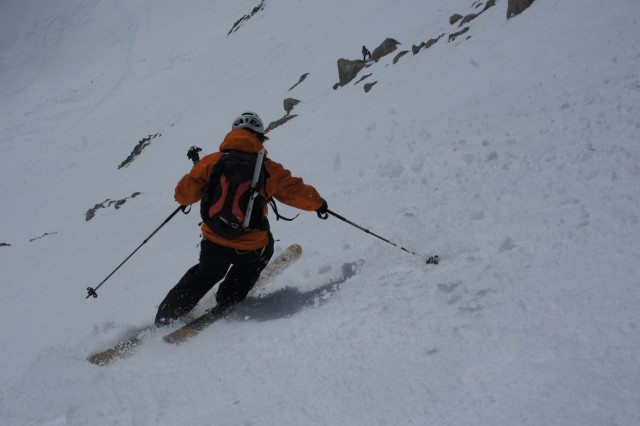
x,y
229,206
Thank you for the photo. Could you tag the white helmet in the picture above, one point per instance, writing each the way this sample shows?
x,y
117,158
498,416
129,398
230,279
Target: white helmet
x,y
249,120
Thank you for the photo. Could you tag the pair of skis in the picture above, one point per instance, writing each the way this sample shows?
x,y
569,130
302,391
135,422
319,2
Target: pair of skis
x,y
126,347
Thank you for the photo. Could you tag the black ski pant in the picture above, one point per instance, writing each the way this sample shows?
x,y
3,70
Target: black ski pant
x,y
240,270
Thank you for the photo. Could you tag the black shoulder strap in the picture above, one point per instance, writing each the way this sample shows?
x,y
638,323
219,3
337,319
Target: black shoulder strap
x,y
273,205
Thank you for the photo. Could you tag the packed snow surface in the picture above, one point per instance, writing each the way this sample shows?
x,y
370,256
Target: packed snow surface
x,y
512,151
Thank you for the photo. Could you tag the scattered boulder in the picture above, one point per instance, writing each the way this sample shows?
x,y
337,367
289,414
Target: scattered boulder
x,y
302,78
368,86
468,19
516,7
415,49
465,20
398,56
453,36
289,103
454,18
5,245
387,46
279,122
348,70
362,78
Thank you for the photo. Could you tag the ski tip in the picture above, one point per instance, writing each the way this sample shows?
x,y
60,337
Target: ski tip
x,y
169,338
100,359
178,336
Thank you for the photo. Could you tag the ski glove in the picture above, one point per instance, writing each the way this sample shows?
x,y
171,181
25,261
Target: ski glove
x,y
193,155
323,211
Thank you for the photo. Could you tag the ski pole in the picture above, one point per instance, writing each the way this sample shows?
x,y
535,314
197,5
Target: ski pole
x,y
92,291
430,260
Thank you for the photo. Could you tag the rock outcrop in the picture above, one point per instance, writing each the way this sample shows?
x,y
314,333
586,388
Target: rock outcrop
x,y
137,150
455,18
42,236
289,103
515,7
279,122
348,70
453,36
236,26
302,78
415,49
368,86
387,46
107,203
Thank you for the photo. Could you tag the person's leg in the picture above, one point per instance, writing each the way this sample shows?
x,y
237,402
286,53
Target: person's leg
x,y
243,275
195,283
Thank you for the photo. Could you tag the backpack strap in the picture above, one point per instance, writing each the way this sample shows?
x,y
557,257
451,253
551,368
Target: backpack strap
x,y
254,190
273,205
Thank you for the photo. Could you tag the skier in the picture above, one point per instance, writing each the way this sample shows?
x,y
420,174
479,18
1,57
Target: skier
x,y
365,53
238,260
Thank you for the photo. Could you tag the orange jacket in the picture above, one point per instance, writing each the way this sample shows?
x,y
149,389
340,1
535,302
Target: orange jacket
x,y
279,185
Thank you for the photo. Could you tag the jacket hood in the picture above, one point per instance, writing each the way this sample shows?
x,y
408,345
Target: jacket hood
x,y
241,140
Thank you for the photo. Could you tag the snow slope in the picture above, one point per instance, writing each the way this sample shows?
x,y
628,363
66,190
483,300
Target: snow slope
x,y
512,152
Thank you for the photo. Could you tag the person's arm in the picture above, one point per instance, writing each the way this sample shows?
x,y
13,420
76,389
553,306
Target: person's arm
x,y
291,190
189,188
